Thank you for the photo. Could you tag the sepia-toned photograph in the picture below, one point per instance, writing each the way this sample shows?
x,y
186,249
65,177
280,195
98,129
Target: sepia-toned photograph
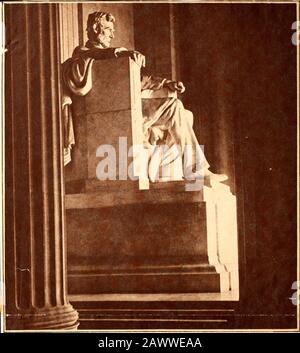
x,y
150,166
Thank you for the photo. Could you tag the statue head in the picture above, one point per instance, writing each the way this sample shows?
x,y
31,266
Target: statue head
x,y
100,28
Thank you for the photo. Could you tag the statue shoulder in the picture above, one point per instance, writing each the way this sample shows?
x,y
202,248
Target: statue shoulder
x,y
79,50
85,52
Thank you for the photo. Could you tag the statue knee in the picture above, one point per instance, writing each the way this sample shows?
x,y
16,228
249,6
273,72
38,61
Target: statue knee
x,y
189,117
178,103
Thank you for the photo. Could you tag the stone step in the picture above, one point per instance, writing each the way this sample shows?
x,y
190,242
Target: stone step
x,y
142,282
155,311
115,270
94,185
117,198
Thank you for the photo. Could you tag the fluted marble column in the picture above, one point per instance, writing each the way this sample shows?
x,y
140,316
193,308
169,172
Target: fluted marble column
x,y
35,267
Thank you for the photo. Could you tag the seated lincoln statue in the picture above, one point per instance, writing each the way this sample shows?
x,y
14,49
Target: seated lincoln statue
x,y
165,120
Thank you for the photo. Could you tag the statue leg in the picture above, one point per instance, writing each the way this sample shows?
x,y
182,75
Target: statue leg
x,y
181,131
170,115
196,165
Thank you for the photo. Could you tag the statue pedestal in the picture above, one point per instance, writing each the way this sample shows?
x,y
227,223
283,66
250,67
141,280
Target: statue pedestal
x,y
122,239
165,240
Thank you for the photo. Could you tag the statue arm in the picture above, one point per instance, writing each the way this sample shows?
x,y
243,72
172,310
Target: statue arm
x,y
94,53
133,54
108,53
156,83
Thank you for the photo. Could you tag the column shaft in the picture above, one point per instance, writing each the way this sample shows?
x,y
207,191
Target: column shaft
x,y
35,268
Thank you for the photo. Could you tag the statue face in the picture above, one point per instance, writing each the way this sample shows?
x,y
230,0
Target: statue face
x,y
106,34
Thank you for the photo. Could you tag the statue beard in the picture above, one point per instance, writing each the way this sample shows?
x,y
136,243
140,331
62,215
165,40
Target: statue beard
x,y
103,41
99,40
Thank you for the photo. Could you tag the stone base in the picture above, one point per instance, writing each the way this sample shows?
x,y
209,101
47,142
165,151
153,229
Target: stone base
x,y
56,318
122,240
181,279
191,311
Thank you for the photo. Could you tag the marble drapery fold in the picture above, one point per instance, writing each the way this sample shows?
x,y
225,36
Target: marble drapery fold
x,y
77,80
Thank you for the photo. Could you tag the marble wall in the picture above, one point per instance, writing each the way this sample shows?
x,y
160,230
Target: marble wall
x,y
69,33
239,66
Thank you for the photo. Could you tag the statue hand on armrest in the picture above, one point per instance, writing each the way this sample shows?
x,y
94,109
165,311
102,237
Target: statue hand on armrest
x,y
133,54
174,86
156,87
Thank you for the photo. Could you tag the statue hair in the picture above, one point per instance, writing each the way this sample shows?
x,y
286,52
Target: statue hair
x,y
97,18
